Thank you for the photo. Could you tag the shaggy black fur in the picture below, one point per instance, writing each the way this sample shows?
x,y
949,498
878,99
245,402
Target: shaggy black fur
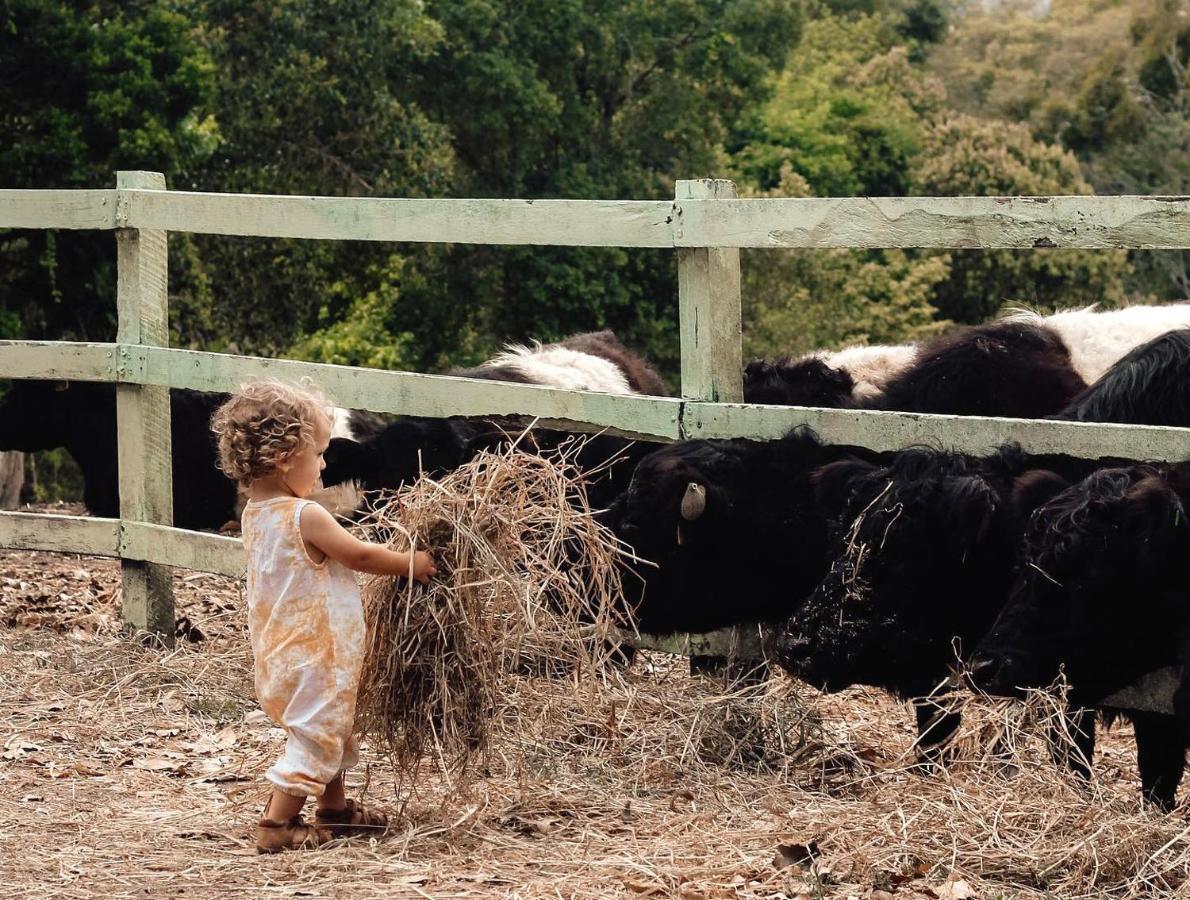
x,y
1010,368
1120,536
751,556
81,416
797,382
922,551
1149,386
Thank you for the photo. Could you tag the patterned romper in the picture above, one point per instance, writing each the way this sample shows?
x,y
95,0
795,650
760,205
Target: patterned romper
x,y
306,622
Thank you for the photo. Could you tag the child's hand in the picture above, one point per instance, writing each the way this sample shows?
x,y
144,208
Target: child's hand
x,y
421,567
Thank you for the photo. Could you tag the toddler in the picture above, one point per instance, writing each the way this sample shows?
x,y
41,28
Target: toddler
x,y
305,617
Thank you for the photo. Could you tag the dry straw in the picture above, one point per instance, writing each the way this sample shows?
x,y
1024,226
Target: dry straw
x,y
528,582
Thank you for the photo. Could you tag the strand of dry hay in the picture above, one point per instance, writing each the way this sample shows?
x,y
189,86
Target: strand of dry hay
x,y
527,581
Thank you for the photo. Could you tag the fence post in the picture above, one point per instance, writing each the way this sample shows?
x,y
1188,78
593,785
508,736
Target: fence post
x,y
142,413
709,308
712,354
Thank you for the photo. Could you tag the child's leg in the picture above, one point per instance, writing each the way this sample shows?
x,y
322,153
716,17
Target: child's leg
x,y
334,797
281,807
345,816
282,828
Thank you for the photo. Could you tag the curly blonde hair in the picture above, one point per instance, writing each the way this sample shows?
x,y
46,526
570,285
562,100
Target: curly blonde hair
x,y
264,423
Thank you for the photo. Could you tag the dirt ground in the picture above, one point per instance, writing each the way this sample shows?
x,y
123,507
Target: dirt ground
x,y
127,771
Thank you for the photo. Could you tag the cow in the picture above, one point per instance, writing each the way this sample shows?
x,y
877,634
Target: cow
x,y
1023,366
728,530
81,417
921,558
1102,595
832,379
412,445
1148,386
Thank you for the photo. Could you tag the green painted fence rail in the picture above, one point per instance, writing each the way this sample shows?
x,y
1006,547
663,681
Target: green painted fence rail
x,y
705,225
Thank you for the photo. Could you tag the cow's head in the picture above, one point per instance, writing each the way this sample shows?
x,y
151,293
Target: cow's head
x,y
797,382
921,561
730,528
1101,589
396,455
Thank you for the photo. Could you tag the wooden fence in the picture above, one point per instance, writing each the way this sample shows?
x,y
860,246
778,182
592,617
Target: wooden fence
x,y
705,225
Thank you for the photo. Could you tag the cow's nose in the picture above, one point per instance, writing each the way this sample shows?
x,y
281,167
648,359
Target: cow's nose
x,y
983,670
792,646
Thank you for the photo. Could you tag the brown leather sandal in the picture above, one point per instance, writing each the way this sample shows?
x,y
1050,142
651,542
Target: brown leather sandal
x,y
296,834
354,818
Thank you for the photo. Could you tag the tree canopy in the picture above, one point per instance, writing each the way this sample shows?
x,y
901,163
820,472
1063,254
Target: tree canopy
x,y
585,99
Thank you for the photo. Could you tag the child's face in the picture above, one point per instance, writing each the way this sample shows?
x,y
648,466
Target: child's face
x,y
301,471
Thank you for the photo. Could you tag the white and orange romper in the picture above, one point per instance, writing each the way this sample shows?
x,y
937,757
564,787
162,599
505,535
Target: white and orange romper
x,y
306,622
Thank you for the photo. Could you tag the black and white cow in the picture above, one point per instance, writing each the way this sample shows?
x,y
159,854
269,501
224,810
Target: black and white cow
x,y
410,445
1148,386
1024,366
81,417
1103,594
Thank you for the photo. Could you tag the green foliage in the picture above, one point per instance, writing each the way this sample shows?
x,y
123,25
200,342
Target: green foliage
x,y
362,337
800,300
1105,78
846,113
311,99
580,99
963,155
86,89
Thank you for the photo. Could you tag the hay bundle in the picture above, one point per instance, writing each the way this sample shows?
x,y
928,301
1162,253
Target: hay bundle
x,y
526,577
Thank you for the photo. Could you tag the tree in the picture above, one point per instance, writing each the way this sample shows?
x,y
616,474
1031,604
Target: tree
x,y
311,100
800,300
1107,80
964,156
86,89
585,99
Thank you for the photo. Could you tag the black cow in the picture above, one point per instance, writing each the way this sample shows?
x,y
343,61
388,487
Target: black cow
x,y
1103,594
81,416
922,556
729,528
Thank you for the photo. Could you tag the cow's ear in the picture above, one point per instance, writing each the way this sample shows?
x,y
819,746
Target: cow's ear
x,y
833,483
1154,514
1035,488
967,510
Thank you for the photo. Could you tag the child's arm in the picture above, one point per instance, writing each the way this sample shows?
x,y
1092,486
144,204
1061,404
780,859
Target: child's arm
x,y
321,531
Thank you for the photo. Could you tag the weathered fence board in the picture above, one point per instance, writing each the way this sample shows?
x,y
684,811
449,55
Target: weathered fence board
x,y
654,418
598,223
143,415
58,360
58,209
182,549
941,222
413,394
173,547
61,534
880,430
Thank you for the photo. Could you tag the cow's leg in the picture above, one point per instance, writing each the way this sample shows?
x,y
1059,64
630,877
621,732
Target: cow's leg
x,y
1160,756
1079,729
935,726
